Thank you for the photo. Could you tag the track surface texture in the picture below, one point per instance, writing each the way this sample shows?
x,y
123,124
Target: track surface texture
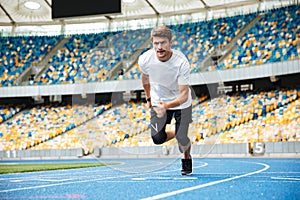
x,y
159,178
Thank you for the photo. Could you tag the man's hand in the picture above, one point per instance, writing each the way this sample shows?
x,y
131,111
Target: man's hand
x,y
160,109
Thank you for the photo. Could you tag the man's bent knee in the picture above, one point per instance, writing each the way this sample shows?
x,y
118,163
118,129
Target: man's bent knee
x,y
159,138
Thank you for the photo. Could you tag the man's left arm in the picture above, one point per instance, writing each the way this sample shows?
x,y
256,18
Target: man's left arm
x,y
183,97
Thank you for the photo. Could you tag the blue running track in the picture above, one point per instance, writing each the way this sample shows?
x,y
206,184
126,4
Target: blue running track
x,y
159,178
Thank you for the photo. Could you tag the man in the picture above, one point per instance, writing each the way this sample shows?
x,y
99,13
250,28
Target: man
x,y
165,79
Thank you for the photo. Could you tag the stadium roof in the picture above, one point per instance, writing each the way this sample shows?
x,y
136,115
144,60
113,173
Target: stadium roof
x,y
18,12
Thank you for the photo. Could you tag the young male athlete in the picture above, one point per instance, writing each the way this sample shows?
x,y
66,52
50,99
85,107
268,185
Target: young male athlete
x,y
165,79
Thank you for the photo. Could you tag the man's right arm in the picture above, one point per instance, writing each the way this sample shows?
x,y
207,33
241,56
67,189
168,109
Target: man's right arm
x,y
144,68
146,86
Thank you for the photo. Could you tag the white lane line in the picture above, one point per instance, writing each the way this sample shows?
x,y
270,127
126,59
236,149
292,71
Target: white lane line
x,y
158,172
164,195
186,178
282,173
16,181
286,178
138,179
108,168
64,183
85,181
39,180
164,178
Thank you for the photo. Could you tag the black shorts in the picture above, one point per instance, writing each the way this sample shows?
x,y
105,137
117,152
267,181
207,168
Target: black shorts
x,y
183,118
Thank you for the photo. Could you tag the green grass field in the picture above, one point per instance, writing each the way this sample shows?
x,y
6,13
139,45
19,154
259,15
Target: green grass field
x,y
19,168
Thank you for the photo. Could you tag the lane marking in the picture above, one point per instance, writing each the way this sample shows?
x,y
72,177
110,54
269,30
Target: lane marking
x,y
16,181
282,173
63,183
168,194
138,179
88,180
164,178
185,178
33,175
285,178
68,196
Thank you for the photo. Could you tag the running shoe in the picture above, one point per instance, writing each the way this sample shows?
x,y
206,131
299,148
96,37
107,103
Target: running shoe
x,y
186,166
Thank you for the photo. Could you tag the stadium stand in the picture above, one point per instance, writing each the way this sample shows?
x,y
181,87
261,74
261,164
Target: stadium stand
x,y
237,122
237,118
197,43
256,115
91,57
18,53
274,38
113,126
64,66
8,111
280,125
43,122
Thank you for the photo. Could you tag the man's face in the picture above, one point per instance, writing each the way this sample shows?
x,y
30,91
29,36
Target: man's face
x,y
162,47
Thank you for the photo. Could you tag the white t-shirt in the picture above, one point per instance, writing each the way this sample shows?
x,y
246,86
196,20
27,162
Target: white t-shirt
x,y
165,77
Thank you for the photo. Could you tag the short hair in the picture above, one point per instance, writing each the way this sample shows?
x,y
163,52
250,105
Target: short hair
x,y
161,31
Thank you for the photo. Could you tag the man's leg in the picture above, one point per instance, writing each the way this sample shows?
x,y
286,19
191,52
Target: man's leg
x,y
170,135
158,128
184,142
183,119
186,150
